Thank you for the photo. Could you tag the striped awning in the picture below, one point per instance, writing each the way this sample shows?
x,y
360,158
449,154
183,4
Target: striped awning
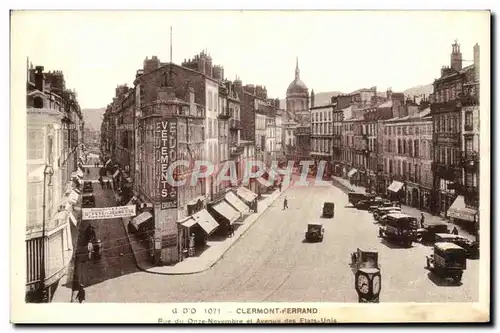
x,y
395,186
352,172
458,210
236,202
74,196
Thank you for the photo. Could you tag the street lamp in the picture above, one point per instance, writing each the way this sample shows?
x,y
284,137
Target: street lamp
x,y
48,171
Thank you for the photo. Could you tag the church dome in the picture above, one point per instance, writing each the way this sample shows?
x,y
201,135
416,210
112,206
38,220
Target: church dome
x,y
297,86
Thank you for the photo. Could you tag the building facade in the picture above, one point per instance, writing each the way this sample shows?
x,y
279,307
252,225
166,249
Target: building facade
x,y
55,135
322,135
450,96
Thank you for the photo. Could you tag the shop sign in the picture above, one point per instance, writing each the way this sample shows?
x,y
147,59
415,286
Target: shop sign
x,y
166,154
108,212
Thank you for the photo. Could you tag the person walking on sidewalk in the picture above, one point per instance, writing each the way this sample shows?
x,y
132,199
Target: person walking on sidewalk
x,y
422,220
455,231
285,204
279,186
80,296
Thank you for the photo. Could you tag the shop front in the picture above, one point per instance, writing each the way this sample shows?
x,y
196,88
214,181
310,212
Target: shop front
x,y
413,197
246,195
236,203
459,211
224,214
194,232
395,191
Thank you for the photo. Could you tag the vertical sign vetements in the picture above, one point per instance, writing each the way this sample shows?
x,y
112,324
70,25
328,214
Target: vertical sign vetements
x,y
166,154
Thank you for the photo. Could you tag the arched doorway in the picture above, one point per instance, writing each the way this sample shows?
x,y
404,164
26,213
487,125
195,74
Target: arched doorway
x,y
415,196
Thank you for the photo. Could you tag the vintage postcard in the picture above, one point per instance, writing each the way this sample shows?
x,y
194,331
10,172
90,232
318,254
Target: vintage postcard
x,y
250,166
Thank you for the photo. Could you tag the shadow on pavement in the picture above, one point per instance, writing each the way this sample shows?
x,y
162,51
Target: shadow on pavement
x,y
392,245
442,282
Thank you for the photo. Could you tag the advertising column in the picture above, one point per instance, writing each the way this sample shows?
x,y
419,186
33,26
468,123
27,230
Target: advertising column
x,y
166,211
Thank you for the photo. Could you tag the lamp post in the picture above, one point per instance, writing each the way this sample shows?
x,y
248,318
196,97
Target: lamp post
x,y
48,171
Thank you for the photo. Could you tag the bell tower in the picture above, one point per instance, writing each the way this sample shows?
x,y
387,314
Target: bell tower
x,y
456,57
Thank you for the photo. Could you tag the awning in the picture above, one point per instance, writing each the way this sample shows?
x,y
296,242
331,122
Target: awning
x,y
458,210
264,182
73,218
236,203
116,173
74,196
189,222
227,211
205,221
79,173
352,172
143,217
246,194
109,161
395,186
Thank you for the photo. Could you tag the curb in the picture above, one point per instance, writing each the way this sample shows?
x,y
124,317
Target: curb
x,y
148,270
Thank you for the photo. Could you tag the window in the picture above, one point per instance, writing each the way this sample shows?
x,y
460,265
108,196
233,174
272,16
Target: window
x,y
468,120
36,144
34,203
468,145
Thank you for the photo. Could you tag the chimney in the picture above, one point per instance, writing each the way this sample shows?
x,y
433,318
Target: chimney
x,y
476,61
39,78
389,93
312,98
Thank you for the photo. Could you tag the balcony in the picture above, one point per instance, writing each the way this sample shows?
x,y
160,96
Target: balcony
x,y
450,172
450,106
469,100
235,124
225,115
469,159
445,136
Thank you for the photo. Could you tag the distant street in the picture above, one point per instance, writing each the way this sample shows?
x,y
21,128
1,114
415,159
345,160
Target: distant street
x,y
117,257
272,263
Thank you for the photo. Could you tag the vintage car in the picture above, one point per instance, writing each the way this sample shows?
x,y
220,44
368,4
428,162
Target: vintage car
x,y
366,203
315,232
471,247
428,233
88,200
381,211
399,228
328,209
87,187
379,204
447,261
366,258
355,197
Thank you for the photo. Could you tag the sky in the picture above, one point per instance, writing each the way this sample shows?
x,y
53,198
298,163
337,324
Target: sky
x,y
337,50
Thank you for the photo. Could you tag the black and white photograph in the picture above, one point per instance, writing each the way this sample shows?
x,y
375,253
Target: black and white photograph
x,y
250,167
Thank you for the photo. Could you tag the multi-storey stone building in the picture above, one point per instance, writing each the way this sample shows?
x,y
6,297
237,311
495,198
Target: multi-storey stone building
x,y
54,135
451,95
322,135
407,141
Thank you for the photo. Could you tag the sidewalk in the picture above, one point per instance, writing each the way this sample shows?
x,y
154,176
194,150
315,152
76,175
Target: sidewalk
x,y
344,185
210,256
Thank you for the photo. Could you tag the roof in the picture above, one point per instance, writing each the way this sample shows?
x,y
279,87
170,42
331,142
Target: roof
x,y
316,223
297,87
398,215
447,246
387,104
445,235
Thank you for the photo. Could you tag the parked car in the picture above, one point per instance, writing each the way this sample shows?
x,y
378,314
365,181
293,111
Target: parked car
x,y
87,187
447,261
471,247
367,203
88,200
428,233
315,232
379,203
399,228
328,209
355,197
381,211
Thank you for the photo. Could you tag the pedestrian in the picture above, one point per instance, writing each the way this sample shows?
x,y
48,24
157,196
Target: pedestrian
x,y
231,230
285,204
90,248
422,220
455,231
279,186
80,296
255,205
